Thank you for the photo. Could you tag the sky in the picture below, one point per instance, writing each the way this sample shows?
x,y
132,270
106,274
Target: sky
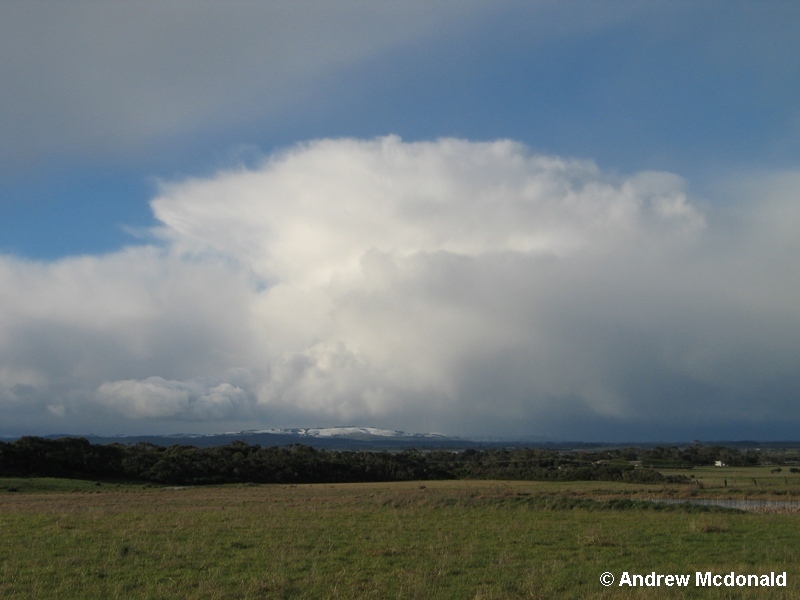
x,y
572,220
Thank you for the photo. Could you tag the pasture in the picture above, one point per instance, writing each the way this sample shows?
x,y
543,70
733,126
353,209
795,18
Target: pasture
x,y
759,481
452,539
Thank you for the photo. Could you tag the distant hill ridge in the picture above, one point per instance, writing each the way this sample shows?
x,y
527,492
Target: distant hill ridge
x,y
339,438
373,438
348,432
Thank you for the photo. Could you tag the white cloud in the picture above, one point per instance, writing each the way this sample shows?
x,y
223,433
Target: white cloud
x,y
447,285
156,397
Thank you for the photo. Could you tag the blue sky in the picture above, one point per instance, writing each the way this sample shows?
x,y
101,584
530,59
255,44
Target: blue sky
x,y
642,123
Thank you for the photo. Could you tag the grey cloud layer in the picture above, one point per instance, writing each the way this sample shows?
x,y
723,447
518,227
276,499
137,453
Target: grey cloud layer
x,y
99,78
448,285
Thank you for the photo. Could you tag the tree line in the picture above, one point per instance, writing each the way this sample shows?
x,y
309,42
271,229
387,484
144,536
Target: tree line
x,y
239,462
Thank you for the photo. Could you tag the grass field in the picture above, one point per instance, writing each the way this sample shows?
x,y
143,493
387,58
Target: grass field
x,y
457,539
743,481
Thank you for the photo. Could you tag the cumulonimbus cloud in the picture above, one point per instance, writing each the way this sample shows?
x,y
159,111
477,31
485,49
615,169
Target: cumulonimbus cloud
x,y
446,285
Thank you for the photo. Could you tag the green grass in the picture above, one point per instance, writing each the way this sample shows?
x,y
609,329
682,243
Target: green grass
x,y
736,482
55,484
401,540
